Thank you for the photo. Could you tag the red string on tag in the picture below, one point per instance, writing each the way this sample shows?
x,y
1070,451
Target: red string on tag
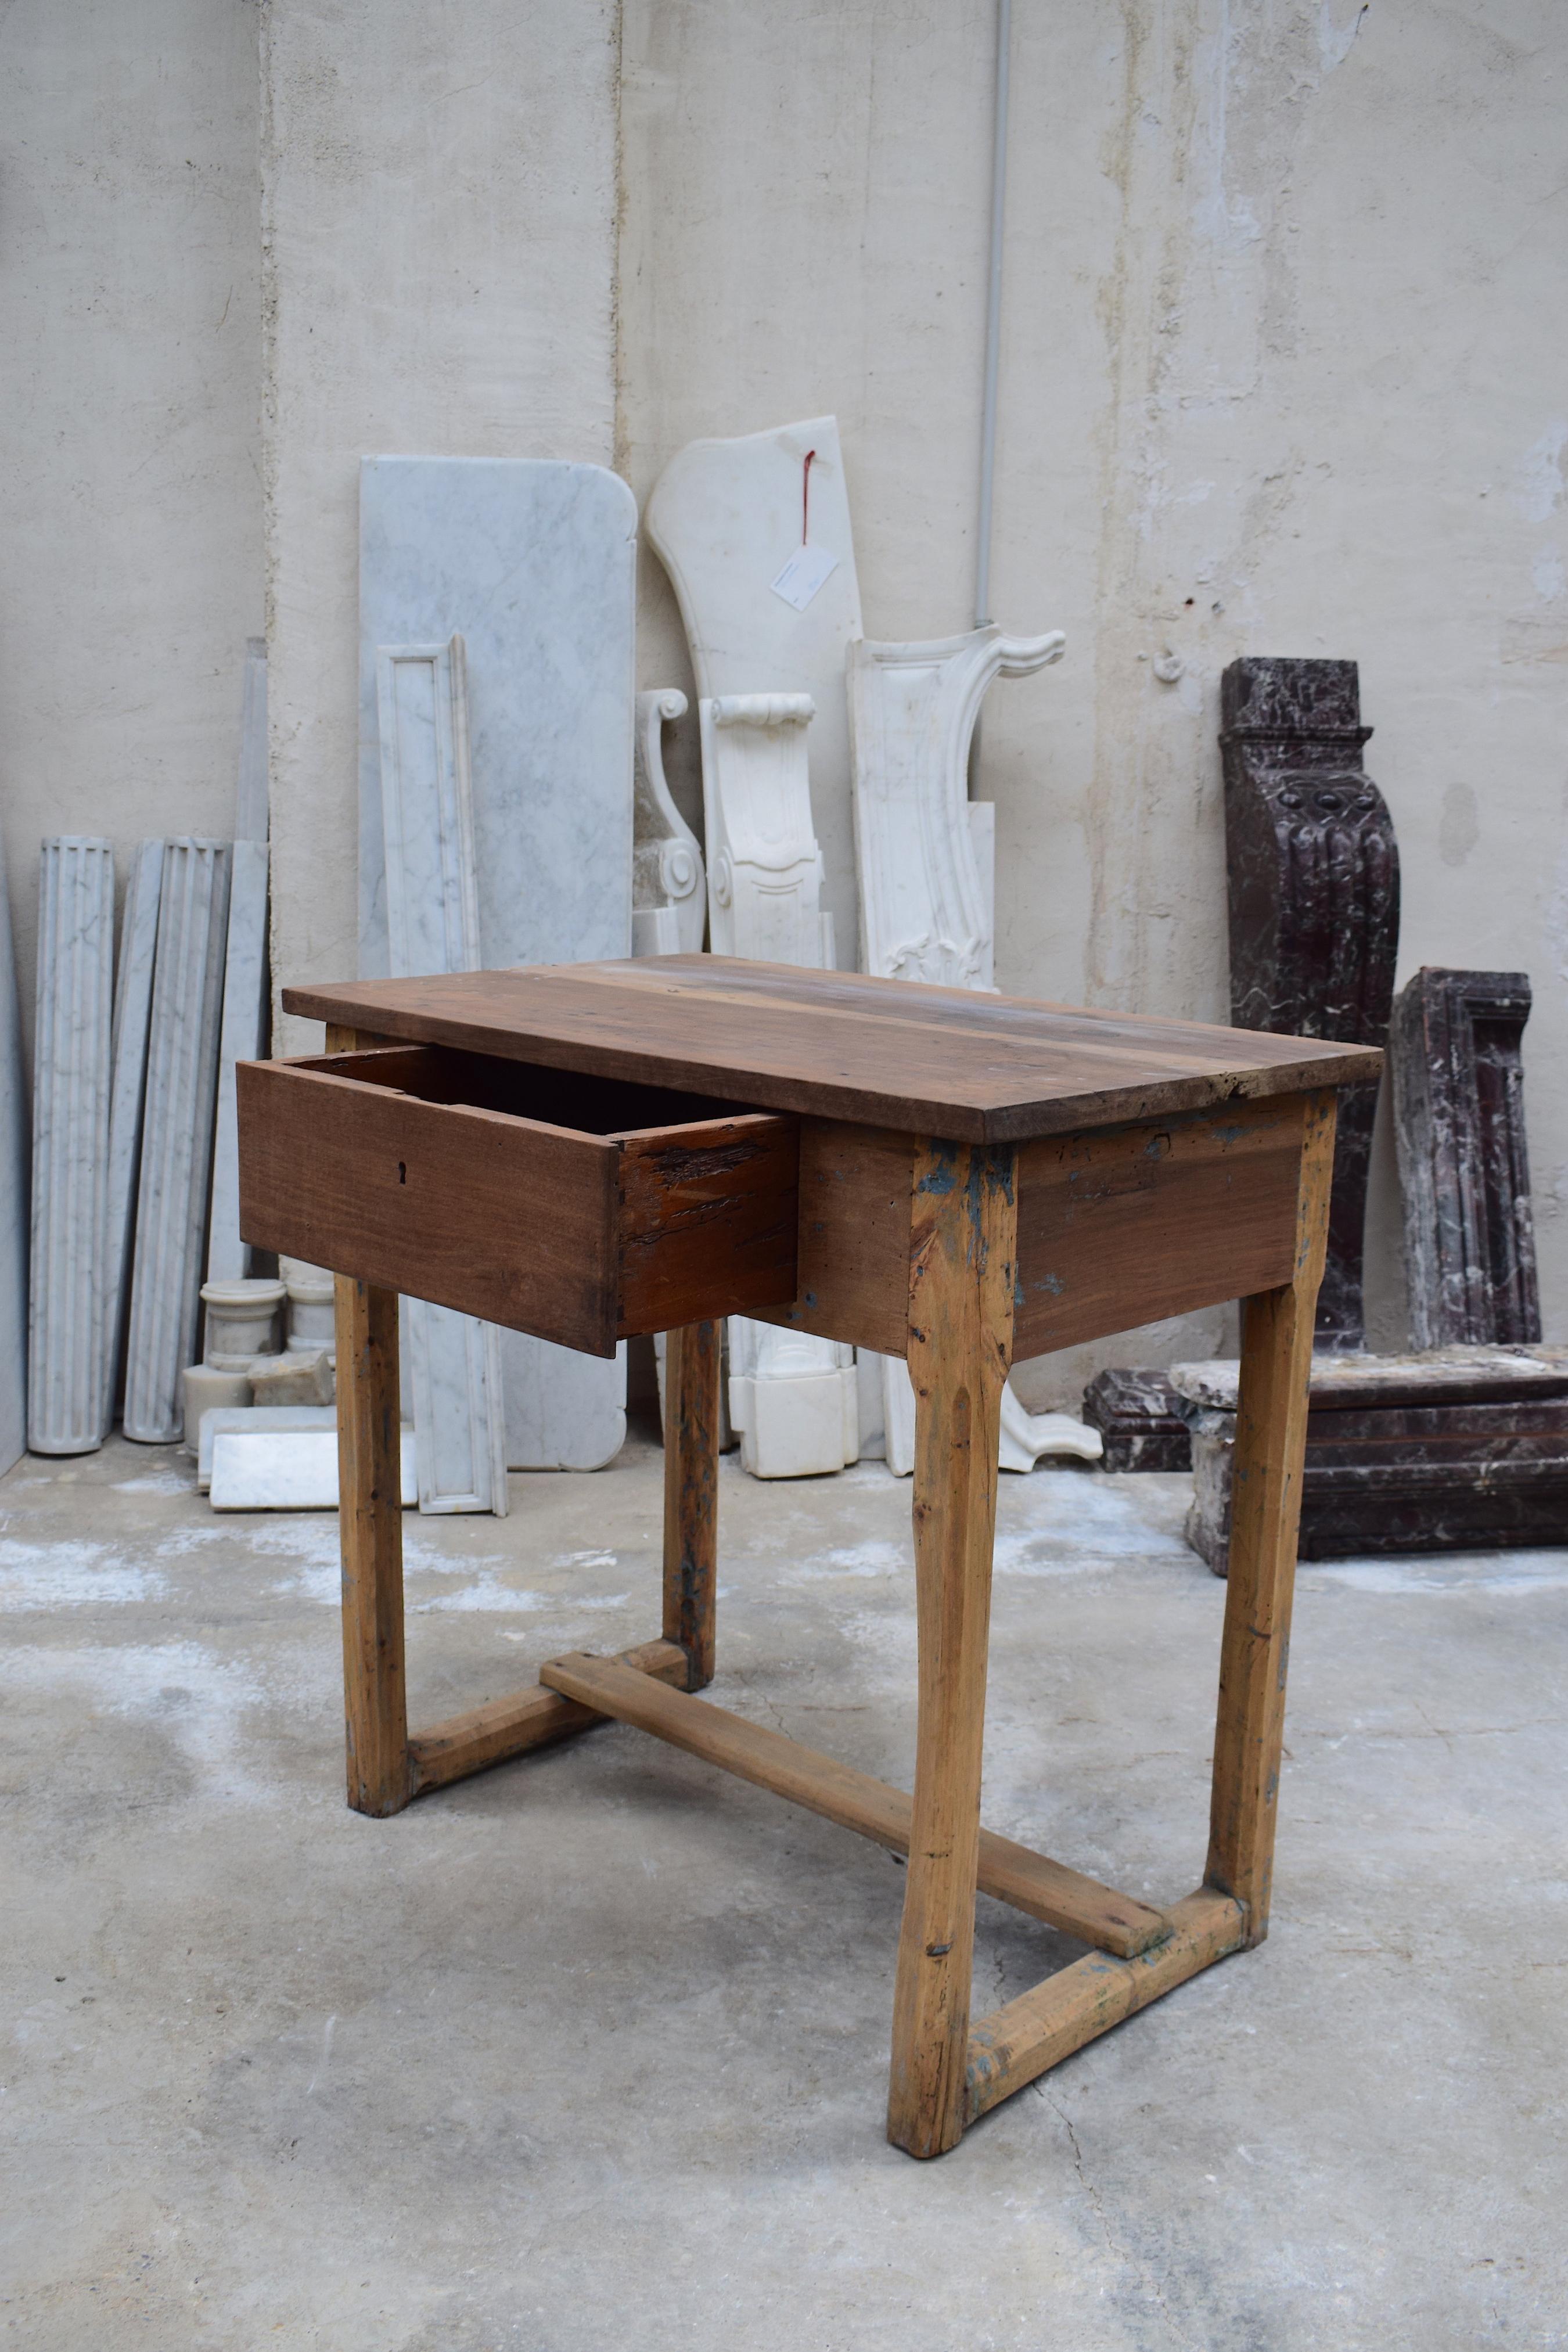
x,y
806,497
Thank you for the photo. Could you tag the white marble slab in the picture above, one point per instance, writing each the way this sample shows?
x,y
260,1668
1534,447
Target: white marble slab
x,y
132,1013
72,1059
534,564
176,1136
433,926
243,1038
255,1420
725,516
15,1166
285,1470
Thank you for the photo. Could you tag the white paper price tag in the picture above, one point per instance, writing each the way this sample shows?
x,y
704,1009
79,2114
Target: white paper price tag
x,y
803,575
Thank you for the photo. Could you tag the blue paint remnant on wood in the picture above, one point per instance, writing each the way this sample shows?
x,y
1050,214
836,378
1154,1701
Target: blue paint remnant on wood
x,y
943,1178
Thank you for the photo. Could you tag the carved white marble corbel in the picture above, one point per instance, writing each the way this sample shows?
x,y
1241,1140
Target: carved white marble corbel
x,y
764,868
927,895
669,905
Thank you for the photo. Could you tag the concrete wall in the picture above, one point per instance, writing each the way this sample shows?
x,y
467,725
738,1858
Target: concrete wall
x,y
439,252
130,380
1281,374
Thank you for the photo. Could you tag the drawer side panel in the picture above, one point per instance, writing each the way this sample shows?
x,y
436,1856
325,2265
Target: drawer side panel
x,y
1131,1225
488,1214
708,1218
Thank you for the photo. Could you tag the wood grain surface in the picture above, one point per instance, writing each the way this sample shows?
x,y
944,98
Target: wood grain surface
x,y
1030,1881
927,1061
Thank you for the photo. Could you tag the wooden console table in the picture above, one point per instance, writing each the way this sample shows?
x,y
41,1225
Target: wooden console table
x,y
592,1152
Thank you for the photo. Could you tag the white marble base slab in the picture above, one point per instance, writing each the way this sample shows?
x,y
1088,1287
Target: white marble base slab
x,y
287,1470
255,1420
534,564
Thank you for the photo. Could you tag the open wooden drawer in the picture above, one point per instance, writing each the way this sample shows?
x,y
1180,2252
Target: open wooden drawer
x,y
581,1208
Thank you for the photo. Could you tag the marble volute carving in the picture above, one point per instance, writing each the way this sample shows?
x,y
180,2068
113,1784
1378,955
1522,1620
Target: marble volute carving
x,y
72,1063
433,926
926,900
1313,878
669,899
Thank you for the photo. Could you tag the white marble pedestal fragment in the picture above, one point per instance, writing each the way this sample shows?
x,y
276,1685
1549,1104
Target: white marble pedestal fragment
x,y
176,1136
71,1069
534,565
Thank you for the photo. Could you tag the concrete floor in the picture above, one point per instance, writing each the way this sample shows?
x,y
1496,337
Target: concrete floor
x,y
591,2050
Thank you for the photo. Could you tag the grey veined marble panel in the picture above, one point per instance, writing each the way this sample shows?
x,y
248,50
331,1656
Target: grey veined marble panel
x,y
242,1038
71,1066
433,925
176,1135
128,1085
534,565
14,1222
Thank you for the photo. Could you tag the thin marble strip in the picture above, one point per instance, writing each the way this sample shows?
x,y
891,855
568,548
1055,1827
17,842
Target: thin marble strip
x,y
242,1039
14,1232
250,798
433,925
70,1145
176,1136
132,1012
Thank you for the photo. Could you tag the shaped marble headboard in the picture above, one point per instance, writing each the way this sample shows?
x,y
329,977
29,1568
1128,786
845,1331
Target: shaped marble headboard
x,y
725,516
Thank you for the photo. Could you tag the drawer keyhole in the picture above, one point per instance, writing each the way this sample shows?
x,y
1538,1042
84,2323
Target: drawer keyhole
x,y
402,1172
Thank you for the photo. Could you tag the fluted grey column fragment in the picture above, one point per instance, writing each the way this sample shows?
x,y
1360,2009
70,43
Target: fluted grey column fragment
x,y
176,1135
128,1086
70,1145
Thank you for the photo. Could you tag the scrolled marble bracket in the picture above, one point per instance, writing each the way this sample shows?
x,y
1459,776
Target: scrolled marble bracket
x,y
927,902
926,910
765,867
670,908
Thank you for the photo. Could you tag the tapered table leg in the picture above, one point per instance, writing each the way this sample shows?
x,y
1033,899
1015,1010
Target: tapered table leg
x,y
369,1529
959,1349
1265,1511
692,1364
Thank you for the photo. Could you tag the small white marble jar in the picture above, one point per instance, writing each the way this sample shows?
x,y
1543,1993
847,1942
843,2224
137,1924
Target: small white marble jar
x,y
240,1319
311,1307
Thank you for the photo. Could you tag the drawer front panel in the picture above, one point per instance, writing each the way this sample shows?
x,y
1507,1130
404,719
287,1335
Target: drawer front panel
x,y
495,1216
1135,1223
